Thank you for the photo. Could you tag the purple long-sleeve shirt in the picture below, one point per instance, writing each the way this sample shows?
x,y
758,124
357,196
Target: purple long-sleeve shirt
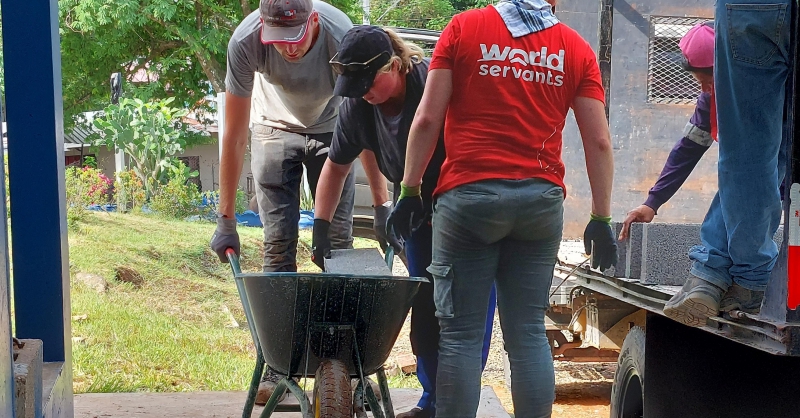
x,y
685,155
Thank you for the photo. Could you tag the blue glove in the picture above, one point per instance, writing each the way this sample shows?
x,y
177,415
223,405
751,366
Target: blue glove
x,y
408,214
225,236
600,243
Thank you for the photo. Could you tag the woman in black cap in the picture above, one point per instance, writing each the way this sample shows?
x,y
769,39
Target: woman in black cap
x,y
382,79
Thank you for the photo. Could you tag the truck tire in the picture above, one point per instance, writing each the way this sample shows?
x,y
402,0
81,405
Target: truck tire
x,y
627,393
333,397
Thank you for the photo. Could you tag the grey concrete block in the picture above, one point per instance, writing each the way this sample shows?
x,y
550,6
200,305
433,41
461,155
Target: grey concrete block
x,y
618,270
633,258
367,261
665,250
28,379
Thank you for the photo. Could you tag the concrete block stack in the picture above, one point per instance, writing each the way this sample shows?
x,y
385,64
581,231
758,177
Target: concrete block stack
x,y
665,249
618,270
367,261
633,258
657,253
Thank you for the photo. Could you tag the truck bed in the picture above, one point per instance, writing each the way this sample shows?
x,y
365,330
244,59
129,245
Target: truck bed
x,y
775,338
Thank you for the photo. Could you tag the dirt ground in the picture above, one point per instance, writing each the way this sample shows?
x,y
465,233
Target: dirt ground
x,y
583,390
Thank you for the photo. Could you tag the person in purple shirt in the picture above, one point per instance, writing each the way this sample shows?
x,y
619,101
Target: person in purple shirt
x,y
681,161
698,52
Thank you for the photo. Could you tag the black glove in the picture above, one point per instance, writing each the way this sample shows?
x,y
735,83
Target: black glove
x,y
599,242
385,236
225,236
407,216
320,243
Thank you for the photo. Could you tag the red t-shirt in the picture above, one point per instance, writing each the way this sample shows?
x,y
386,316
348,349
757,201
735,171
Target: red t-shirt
x,y
713,116
510,98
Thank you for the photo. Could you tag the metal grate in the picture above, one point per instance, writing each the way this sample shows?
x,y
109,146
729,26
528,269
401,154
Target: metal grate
x,y
667,82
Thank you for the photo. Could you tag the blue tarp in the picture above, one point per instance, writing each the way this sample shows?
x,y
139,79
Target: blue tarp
x,y
250,218
247,218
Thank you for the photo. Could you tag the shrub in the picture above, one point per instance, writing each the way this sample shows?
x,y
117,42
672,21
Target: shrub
x,y
128,191
84,186
176,199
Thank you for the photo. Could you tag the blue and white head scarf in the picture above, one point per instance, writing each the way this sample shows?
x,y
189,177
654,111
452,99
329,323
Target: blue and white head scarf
x,y
523,17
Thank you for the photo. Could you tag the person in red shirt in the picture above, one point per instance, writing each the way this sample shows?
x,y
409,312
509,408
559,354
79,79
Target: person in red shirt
x,y
502,80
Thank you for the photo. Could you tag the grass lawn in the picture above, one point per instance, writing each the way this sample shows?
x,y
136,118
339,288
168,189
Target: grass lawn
x,y
183,328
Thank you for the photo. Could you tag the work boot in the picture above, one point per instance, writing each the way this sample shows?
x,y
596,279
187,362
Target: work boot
x,y
741,299
416,412
267,386
697,301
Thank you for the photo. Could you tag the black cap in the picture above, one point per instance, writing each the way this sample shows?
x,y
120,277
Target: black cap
x,y
360,45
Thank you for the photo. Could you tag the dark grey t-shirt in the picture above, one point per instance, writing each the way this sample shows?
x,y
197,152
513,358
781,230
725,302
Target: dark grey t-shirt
x,y
361,126
293,96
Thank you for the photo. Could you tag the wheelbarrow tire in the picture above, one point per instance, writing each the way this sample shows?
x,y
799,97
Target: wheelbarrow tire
x,y
333,397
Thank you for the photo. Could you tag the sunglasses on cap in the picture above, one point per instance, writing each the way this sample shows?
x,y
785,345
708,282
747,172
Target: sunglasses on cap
x,y
684,63
351,67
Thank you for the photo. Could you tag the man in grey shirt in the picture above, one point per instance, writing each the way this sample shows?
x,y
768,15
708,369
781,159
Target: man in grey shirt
x,y
279,80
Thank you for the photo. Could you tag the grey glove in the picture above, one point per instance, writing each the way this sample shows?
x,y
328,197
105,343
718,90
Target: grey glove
x,y
225,237
379,221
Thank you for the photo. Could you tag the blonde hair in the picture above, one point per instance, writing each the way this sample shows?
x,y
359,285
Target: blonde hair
x,y
405,53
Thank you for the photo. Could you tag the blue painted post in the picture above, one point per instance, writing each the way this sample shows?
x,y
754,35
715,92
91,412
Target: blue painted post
x,y
40,259
6,363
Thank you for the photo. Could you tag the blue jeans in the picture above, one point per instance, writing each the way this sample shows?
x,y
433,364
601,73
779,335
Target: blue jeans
x,y
424,325
751,72
277,159
503,232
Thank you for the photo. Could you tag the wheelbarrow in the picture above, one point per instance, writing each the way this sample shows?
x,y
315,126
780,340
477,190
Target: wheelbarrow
x,y
332,327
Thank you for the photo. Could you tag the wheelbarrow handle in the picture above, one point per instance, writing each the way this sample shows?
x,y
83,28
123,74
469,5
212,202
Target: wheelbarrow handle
x,y
389,257
233,259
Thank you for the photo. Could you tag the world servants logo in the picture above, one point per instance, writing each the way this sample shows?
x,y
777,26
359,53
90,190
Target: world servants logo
x,y
543,73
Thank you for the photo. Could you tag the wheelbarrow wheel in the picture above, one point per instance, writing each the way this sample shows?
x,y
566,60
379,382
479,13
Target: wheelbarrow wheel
x,y
333,397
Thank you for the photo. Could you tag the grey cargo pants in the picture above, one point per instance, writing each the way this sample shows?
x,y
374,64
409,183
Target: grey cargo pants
x,y
277,159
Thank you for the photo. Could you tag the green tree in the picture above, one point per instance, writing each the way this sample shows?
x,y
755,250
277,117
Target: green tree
x,y
462,5
423,14
150,133
177,47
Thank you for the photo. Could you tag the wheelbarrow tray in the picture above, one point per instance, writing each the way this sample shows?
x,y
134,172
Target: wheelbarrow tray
x,y
302,318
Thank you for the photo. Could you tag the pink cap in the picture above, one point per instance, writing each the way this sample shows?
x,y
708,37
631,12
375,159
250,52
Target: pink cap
x,y
698,45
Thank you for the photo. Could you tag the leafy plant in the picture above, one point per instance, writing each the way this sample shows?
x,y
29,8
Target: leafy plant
x,y
148,132
177,199
128,191
84,186
306,200
423,14
90,162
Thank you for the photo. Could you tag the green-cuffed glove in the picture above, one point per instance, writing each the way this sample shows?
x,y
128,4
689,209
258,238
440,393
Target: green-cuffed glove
x,y
408,213
600,243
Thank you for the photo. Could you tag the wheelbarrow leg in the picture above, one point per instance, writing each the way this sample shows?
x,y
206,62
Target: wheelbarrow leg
x,y
385,396
374,406
358,401
300,394
273,401
251,394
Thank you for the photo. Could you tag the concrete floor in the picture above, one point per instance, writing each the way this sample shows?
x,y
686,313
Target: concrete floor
x,y
226,405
